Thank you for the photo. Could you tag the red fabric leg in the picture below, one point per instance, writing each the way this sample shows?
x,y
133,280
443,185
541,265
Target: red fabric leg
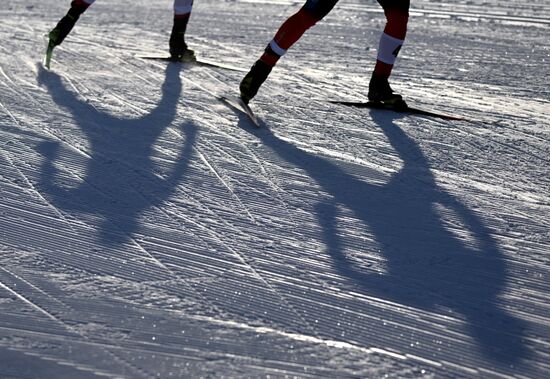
x,y
288,34
396,23
81,4
182,16
396,27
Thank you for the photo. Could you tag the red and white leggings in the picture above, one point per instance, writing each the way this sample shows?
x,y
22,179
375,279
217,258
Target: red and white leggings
x,y
396,12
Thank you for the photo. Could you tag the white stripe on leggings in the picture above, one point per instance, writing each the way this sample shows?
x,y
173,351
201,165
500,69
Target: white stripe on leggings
x,y
388,48
276,48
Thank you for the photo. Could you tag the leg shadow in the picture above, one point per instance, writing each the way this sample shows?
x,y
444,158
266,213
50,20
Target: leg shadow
x,y
428,266
116,177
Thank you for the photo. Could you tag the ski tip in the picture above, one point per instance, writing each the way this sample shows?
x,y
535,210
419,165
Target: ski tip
x,y
255,120
47,61
48,56
236,102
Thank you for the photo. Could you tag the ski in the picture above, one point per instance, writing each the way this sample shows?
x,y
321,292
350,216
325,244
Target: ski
x,y
49,54
198,62
232,101
408,110
238,104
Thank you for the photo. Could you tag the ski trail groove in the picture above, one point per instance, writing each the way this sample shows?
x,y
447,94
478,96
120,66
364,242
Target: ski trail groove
x,y
27,301
33,188
272,184
213,170
57,320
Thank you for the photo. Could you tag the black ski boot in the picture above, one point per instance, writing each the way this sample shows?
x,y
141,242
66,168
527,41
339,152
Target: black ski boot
x,y
252,82
66,24
178,48
380,93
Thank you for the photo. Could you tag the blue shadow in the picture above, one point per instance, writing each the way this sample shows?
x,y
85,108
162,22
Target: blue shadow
x,y
120,181
427,265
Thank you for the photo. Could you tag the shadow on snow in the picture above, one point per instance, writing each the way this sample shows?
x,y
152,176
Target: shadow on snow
x,y
121,180
427,266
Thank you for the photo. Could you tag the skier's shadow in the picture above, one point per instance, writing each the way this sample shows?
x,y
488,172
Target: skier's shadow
x,y
119,180
427,265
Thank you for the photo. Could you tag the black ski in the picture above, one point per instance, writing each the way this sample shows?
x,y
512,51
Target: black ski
x,y
408,109
232,101
198,62
238,104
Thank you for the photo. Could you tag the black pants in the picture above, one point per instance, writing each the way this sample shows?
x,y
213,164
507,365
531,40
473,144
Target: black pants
x,y
320,8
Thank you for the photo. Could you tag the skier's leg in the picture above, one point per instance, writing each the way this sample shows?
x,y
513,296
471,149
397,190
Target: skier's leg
x,y
294,27
288,34
65,25
178,47
397,16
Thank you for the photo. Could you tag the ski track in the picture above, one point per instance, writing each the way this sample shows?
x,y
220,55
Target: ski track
x,y
147,230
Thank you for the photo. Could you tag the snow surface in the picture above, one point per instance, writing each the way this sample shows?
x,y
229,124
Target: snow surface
x,y
147,230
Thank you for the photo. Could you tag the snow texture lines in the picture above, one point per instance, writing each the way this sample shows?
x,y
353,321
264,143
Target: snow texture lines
x,y
147,230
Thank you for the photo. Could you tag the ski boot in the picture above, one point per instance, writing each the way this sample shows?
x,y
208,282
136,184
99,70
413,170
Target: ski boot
x,y
181,53
382,95
178,48
253,80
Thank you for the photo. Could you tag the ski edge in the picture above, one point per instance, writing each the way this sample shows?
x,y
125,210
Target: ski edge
x,y
198,62
408,109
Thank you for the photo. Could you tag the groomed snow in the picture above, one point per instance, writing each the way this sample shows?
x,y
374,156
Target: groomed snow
x,y
149,231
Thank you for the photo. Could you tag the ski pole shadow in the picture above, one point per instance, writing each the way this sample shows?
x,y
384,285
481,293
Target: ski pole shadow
x,y
116,179
428,266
